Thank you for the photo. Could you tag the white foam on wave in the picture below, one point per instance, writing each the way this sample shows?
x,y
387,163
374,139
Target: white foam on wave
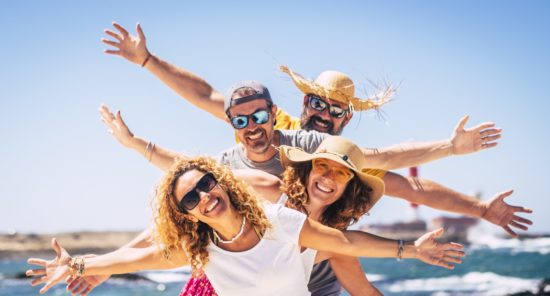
x,y
181,274
375,277
481,238
479,283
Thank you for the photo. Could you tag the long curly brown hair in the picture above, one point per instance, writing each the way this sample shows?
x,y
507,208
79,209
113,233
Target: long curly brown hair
x,y
175,230
354,202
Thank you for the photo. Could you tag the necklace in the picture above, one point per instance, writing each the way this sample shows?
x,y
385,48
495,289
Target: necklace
x,y
234,238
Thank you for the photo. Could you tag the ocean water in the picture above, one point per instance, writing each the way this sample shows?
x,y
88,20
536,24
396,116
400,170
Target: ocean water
x,y
492,267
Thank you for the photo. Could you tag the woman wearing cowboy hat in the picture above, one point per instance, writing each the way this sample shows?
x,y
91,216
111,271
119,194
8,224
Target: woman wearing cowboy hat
x,y
205,217
331,186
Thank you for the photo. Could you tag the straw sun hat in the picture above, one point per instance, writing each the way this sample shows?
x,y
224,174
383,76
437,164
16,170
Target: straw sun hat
x,y
342,151
339,87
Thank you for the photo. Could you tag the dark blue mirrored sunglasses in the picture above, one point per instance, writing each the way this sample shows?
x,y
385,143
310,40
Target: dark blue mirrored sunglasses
x,y
259,117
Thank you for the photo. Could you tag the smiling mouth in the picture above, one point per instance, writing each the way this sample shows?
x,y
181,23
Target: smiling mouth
x,y
323,188
254,136
321,124
212,204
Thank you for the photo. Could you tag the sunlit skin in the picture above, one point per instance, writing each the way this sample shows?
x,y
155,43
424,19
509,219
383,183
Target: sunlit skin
x,y
325,187
216,210
257,139
321,121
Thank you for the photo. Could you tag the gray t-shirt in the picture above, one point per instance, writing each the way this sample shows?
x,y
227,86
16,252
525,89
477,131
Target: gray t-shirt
x,y
235,157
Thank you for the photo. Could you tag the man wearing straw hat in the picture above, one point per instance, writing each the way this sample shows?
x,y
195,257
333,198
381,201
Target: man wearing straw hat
x,y
337,104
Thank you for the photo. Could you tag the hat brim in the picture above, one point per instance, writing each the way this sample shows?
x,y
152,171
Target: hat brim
x,y
292,155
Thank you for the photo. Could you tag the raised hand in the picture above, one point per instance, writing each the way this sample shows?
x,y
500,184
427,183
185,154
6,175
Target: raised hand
x,y
130,47
52,271
472,140
430,251
84,285
116,125
500,213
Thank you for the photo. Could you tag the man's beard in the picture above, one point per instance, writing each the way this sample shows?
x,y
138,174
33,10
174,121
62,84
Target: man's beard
x,y
259,145
307,123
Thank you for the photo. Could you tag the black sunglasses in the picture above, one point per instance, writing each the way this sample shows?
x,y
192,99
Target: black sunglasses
x,y
259,117
192,198
318,104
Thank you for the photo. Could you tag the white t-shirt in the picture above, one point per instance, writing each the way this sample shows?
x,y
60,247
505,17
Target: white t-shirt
x,y
308,255
272,267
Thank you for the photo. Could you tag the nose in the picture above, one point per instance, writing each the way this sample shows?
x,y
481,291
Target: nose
x,y
204,196
329,174
324,114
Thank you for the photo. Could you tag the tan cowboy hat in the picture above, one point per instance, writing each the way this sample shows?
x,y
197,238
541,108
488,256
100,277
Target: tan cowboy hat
x,y
338,86
342,151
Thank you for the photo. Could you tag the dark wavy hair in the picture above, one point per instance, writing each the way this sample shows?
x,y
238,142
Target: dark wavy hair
x,y
354,202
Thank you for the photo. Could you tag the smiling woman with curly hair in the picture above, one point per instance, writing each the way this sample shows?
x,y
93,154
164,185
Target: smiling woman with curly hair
x,y
208,219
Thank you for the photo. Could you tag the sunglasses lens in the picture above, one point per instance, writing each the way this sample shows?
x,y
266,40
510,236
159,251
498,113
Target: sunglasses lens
x,y
317,104
260,117
337,112
239,122
189,201
206,183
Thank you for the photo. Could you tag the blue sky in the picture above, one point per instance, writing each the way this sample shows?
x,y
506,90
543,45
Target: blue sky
x,y
62,171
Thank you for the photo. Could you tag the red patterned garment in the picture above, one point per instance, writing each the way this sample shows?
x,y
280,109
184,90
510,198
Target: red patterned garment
x,y
198,286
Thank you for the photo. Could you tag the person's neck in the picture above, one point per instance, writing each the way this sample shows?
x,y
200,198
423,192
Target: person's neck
x,y
315,211
229,228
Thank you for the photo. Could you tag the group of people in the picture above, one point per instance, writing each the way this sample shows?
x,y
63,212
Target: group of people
x,y
269,216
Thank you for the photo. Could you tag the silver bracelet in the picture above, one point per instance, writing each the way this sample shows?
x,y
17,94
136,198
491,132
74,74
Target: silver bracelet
x,y
400,247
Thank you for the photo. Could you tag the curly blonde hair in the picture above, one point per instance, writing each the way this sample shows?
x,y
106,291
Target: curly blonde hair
x,y
354,202
175,229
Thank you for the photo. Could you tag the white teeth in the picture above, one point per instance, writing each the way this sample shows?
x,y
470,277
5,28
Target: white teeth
x,y
323,188
212,205
321,124
255,136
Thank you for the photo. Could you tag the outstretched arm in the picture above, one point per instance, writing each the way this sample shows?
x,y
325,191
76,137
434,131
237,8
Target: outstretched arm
x,y
361,244
350,274
117,262
434,195
161,157
462,141
186,84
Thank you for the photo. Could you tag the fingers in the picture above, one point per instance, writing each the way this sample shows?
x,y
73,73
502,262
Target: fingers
x,y
455,253
56,247
442,263
140,32
35,272
452,259
76,282
491,138
121,29
112,51
87,290
483,126
37,261
39,281
517,225
490,132
109,42
488,145
113,34
462,123
505,194
437,232
509,230
522,220
78,289
453,246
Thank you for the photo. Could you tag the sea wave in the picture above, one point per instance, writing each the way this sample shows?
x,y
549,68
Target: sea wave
x,y
472,283
480,238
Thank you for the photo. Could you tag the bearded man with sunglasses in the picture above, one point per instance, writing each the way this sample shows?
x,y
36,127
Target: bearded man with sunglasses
x,y
258,136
